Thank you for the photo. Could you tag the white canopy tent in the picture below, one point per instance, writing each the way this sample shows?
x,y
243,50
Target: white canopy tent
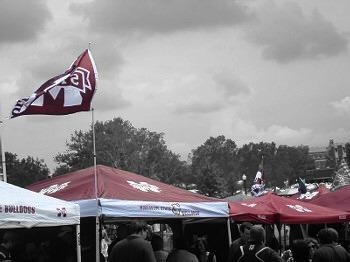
x,y
22,208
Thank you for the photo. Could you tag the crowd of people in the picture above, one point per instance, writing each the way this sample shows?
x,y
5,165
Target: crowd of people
x,y
41,245
251,247
135,242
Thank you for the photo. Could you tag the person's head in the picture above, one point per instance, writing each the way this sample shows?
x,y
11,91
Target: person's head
x,y
244,230
327,236
122,231
300,250
313,245
138,227
10,239
156,242
257,234
66,234
180,242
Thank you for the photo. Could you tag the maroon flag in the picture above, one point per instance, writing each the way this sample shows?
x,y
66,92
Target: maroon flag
x,y
64,94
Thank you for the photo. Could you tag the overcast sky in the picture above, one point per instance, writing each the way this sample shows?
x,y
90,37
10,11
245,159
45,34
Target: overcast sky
x,y
251,70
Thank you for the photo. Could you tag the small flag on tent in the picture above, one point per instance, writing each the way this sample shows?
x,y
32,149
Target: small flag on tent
x,y
301,186
342,176
64,94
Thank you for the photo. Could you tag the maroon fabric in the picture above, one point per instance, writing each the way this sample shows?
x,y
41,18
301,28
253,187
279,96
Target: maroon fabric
x,y
291,211
80,80
338,199
240,212
113,184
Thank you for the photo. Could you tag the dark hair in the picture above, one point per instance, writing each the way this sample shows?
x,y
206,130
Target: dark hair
x,y
257,234
136,226
181,242
312,241
327,235
156,242
300,250
245,225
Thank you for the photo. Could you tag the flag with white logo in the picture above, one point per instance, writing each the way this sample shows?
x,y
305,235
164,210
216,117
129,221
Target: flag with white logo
x,y
64,94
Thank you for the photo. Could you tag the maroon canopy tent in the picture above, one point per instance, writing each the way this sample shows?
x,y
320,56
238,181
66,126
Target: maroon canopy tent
x,y
338,199
125,194
291,211
240,212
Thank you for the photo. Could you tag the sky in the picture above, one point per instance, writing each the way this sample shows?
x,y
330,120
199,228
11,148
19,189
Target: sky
x,y
252,70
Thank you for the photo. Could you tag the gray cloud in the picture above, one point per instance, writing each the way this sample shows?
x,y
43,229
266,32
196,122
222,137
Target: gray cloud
x,y
230,86
22,20
109,97
287,34
215,96
199,108
160,16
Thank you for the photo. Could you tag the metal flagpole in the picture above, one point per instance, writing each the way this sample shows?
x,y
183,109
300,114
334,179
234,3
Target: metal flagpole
x,y
96,188
3,159
95,181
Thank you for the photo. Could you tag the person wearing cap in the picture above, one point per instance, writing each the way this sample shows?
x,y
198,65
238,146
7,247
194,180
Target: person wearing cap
x,y
244,230
255,250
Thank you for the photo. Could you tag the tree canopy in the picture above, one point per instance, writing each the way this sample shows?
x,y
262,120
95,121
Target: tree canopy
x,y
121,145
218,164
22,172
214,167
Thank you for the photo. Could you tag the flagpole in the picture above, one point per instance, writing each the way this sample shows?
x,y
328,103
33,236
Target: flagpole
x,y
96,189
95,181
3,159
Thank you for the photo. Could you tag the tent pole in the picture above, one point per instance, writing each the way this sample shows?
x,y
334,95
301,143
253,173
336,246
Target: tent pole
x,y
96,188
279,227
77,230
229,231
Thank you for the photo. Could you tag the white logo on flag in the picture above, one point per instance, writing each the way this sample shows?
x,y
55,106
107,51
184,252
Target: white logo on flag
x,y
72,86
144,186
299,208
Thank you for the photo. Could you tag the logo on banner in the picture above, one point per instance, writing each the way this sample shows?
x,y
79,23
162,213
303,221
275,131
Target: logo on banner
x,y
54,188
61,212
8,209
248,205
299,208
176,209
144,186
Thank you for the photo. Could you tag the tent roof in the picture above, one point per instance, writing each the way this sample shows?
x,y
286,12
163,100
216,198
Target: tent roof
x,y
338,199
240,211
23,208
122,193
291,211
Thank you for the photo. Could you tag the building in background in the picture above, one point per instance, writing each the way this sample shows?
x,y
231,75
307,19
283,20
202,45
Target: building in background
x,y
326,160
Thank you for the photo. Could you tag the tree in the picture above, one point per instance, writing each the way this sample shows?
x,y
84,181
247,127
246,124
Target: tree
x,y
123,146
22,172
213,166
290,163
252,155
